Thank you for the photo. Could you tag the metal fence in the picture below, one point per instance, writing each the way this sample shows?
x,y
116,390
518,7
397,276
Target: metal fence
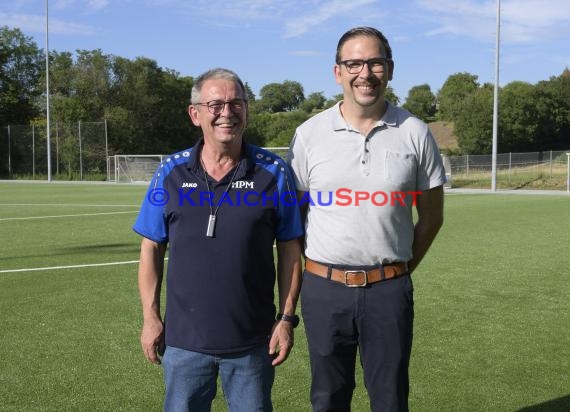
x,y
514,170
79,151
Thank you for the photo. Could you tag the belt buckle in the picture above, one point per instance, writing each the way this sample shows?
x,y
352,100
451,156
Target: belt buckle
x,y
358,285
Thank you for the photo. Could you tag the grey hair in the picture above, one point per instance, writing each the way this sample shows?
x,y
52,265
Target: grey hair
x,y
217,73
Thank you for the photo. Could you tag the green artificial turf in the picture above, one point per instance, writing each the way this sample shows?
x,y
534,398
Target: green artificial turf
x,y
491,301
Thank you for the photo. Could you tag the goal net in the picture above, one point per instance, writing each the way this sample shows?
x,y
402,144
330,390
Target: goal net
x,y
134,168
141,168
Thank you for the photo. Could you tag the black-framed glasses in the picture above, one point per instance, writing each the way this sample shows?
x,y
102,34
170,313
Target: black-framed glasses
x,y
355,66
217,106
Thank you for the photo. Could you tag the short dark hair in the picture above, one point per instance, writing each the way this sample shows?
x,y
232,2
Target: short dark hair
x,y
217,73
363,31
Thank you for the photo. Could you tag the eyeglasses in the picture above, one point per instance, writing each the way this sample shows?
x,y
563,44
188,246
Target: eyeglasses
x,y
217,106
376,65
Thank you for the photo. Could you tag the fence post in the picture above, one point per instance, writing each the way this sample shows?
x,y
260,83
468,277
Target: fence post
x,y
568,173
107,152
57,148
80,155
551,164
9,154
33,151
467,164
510,164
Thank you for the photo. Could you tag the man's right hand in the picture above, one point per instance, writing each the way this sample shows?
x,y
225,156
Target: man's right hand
x,y
152,340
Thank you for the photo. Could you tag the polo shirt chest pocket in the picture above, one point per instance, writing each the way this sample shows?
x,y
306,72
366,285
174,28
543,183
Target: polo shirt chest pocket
x,y
400,168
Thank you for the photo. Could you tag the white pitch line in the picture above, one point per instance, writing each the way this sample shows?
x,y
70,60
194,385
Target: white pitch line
x,y
126,262
64,204
54,216
71,266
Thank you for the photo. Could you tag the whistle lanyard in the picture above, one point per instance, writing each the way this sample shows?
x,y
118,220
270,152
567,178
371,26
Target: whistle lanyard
x,y
210,231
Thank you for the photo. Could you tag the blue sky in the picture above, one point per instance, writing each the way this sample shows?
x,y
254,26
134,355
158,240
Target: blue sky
x,y
267,41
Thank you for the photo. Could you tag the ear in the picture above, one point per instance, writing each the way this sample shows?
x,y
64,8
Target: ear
x,y
194,115
336,71
390,64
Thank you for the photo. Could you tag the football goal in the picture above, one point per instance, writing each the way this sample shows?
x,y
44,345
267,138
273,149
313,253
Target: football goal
x,y
133,168
141,168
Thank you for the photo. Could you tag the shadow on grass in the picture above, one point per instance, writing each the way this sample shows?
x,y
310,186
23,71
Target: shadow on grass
x,y
554,405
109,248
106,248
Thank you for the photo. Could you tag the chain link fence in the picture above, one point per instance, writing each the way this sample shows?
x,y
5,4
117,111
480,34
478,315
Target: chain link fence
x,y
79,151
514,170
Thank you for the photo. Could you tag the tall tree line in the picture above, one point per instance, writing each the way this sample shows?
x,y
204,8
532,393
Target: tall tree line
x,y
531,117
145,104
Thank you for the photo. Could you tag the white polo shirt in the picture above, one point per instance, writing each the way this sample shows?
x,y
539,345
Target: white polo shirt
x,y
362,188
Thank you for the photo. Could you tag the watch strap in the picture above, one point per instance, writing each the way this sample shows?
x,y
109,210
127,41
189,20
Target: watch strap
x,y
293,319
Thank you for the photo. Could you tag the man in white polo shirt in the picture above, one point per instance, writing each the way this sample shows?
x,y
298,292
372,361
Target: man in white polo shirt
x,y
361,166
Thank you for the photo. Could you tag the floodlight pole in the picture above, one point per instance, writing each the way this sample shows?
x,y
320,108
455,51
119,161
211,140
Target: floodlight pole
x,y
496,102
47,97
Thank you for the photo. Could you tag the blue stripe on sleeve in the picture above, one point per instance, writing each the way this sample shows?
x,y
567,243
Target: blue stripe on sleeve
x,y
290,225
151,221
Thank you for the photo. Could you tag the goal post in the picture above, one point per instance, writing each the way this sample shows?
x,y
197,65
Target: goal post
x,y
141,168
133,168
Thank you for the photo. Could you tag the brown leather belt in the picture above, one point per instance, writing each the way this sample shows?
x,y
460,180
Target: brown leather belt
x,y
357,278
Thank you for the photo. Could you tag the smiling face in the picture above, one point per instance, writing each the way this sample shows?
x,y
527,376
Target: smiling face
x,y
227,126
364,89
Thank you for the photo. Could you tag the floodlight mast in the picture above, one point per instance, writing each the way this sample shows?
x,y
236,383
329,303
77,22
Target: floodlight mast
x,y
47,97
496,102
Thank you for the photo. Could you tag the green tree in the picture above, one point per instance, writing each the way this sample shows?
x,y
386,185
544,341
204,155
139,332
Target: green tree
x,y
148,110
334,100
315,101
62,71
249,93
474,122
21,63
421,102
281,128
518,118
257,127
391,96
274,129
80,89
453,93
553,109
92,83
281,97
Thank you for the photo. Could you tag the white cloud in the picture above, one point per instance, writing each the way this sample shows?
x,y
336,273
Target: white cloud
x,y
522,21
325,11
236,11
296,16
65,27
33,23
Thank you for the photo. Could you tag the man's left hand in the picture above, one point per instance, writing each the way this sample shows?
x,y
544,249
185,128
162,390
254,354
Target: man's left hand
x,y
281,341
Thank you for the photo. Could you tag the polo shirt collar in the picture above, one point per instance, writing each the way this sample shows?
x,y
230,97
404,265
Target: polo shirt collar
x,y
246,164
390,118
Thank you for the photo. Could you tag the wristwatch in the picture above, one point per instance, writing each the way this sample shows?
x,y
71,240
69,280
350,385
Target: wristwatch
x,y
293,319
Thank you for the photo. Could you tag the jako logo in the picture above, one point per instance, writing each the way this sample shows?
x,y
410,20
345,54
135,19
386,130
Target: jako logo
x,y
241,185
189,184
